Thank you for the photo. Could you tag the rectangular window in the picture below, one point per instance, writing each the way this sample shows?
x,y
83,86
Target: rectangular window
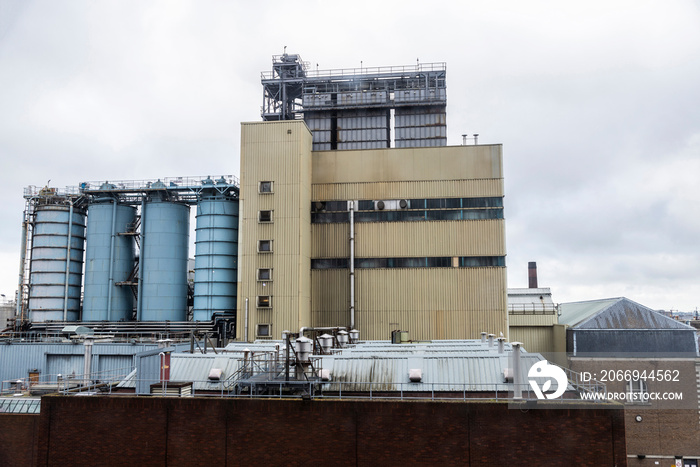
x,y
263,330
265,187
264,301
264,216
265,274
264,246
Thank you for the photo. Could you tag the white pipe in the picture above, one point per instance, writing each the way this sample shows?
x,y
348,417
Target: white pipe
x,y
517,387
87,361
70,232
351,207
245,329
111,260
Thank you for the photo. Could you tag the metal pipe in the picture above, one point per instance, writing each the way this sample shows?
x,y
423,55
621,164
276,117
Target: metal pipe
x,y
245,329
517,387
65,290
351,208
111,260
142,239
22,262
87,361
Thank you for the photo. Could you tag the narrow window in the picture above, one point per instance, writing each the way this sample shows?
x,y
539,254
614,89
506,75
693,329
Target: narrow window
x,y
263,330
264,216
264,301
264,274
264,246
265,187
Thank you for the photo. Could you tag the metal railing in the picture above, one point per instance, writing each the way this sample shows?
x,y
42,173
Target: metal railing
x,y
71,383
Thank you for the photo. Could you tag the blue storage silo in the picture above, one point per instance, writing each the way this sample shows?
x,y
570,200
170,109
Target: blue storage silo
x,y
109,259
216,256
163,261
56,269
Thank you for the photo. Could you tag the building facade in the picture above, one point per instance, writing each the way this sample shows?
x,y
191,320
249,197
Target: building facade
x,y
377,239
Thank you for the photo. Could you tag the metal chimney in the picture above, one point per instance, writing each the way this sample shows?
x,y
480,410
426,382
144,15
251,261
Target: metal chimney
x,y
532,274
491,336
517,386
501,344
483,337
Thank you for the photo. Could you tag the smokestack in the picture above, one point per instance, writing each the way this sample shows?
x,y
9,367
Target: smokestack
x,y
532,274
517,387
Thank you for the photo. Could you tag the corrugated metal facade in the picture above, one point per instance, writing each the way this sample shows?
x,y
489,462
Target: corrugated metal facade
x,y
431,303
16,359
279,152
407,189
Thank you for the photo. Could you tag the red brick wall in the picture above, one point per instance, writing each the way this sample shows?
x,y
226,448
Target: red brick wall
x,y
18,439
156,431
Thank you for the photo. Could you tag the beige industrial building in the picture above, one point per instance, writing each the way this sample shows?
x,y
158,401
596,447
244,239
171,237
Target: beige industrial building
x,y
377,239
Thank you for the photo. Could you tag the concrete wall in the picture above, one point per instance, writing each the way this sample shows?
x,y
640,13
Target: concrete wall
x,y
193,431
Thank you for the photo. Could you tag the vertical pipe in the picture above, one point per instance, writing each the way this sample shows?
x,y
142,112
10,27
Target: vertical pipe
x,y
245,329
351,206
67,279
139,287
87,361
22,262
111,260
517,387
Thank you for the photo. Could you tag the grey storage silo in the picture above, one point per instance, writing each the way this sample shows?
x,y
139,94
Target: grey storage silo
x,y
56,269
216,256
163,261
109,259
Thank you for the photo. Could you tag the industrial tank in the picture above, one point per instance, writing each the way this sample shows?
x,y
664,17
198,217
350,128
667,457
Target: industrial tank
x,y
216,250
56,267
163,261
109,259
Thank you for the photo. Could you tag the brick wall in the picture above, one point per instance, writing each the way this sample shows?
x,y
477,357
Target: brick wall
x,y
156,431
18,443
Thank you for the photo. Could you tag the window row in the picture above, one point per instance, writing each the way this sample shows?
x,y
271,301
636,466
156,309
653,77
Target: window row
x,y
421,262
408,216
420,203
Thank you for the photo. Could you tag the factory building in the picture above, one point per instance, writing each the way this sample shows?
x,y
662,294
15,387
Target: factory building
x,y
377,233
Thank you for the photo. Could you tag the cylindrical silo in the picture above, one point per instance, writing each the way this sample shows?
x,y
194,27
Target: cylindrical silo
x,y
216,252
56,267
163,261
109,259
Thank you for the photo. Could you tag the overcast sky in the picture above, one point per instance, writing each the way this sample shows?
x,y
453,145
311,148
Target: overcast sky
x,y
597,104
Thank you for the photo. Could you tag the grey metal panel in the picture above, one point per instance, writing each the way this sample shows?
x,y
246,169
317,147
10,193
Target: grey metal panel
x,y
101,258
164,261
16,359
216,257
632,342
49,254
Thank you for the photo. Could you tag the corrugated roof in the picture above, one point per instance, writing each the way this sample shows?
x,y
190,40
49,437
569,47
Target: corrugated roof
x,y
615,313
20,405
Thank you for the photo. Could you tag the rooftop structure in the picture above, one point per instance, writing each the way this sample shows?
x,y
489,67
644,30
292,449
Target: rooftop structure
x,y
359,108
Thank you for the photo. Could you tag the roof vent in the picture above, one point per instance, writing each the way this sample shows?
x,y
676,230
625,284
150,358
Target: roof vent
x,y
215,374
415,375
